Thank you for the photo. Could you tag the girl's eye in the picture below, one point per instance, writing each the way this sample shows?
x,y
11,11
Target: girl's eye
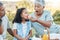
x,y
26,12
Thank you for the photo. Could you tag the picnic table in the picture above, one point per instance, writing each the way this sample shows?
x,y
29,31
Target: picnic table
x,y
53,36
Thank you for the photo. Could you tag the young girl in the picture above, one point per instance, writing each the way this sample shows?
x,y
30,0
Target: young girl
x,y
1,30
21,25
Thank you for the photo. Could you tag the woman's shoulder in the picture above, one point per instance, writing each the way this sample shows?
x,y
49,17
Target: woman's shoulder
x,y
47,11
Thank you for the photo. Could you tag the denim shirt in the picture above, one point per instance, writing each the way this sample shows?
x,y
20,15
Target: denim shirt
x,y
46,16
5,23
19,28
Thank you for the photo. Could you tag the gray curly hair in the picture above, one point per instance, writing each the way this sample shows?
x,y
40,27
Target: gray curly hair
x,y
41,2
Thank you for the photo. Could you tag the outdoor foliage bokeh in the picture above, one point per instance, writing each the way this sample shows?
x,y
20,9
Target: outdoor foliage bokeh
x,y
30,7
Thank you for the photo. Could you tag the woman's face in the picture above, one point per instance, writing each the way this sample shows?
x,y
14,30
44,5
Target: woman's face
x,y
24,14
38,8
2,12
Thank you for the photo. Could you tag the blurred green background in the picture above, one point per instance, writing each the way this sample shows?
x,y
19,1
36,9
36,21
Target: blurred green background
x,y
11,11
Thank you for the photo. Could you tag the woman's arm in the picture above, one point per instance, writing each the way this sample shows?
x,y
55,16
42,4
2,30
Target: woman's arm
x,y
9,30
44,23
16,35
1,30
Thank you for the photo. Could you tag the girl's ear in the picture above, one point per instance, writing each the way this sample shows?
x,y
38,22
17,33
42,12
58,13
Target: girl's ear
x,y
43,6
20,14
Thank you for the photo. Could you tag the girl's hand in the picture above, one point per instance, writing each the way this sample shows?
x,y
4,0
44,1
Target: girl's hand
x,y
24,39
27,38
21,39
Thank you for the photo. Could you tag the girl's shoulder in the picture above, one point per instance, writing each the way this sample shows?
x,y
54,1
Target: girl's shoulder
x,y
29,21
16,24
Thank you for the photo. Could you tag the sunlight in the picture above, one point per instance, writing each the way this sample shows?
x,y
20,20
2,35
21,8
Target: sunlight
x,y
11,0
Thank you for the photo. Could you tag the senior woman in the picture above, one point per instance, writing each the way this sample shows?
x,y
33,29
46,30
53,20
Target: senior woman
x,y
42,18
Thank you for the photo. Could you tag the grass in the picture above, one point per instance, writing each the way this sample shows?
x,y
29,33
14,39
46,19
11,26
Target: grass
x,y
9,37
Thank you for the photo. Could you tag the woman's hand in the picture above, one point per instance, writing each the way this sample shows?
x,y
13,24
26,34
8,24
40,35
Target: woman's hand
x,y
32,19
29,17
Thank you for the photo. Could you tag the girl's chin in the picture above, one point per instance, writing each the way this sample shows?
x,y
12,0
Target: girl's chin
x,y
26,19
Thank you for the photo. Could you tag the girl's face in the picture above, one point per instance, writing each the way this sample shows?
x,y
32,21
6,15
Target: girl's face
x,y
24,14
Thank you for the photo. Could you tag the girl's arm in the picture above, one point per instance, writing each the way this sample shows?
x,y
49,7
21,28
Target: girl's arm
x,y
30,34
16,35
